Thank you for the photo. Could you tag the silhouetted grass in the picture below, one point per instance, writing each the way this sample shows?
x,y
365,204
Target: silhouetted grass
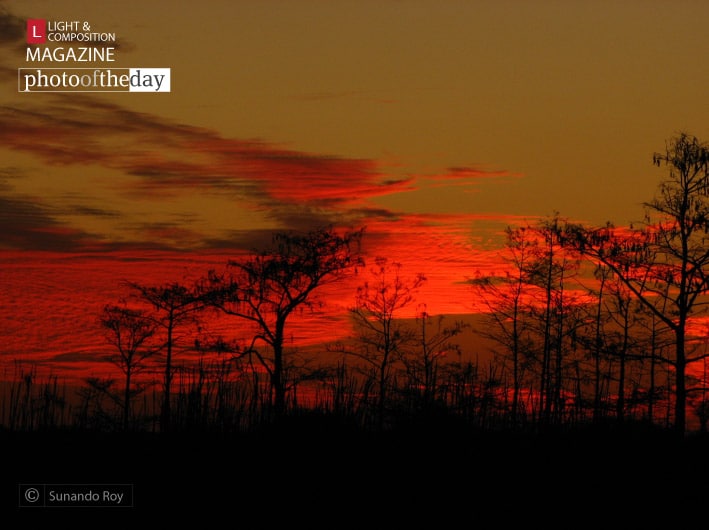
x,y
229,396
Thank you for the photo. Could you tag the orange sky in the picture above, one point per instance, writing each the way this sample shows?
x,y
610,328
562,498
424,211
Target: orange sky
x,y
433,124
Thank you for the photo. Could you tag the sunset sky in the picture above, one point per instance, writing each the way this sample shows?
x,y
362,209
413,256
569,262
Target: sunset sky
x,y
434,124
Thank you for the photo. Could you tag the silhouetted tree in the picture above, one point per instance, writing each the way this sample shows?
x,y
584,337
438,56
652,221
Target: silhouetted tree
x,y
620,341
507,298
381,337
658,340
175,305
550,271
596,344
267,288
623,339
666,262
434,340
128,330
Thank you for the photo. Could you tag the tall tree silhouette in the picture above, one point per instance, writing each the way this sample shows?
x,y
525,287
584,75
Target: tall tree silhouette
x,y
381,336
128,330
267,288
595,340
550,271
433,341
175,305
508,299
620,341
665,262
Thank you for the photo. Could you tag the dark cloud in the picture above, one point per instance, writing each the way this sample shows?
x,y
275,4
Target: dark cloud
x,y
91,211
298,190
171,158
27,224
246,239
12,28
167,234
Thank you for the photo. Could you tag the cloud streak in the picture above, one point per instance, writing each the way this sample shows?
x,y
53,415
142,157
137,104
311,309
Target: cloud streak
x,y
26,223
160,160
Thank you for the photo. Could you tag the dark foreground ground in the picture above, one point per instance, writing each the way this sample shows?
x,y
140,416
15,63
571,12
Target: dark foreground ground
x,y
318,477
